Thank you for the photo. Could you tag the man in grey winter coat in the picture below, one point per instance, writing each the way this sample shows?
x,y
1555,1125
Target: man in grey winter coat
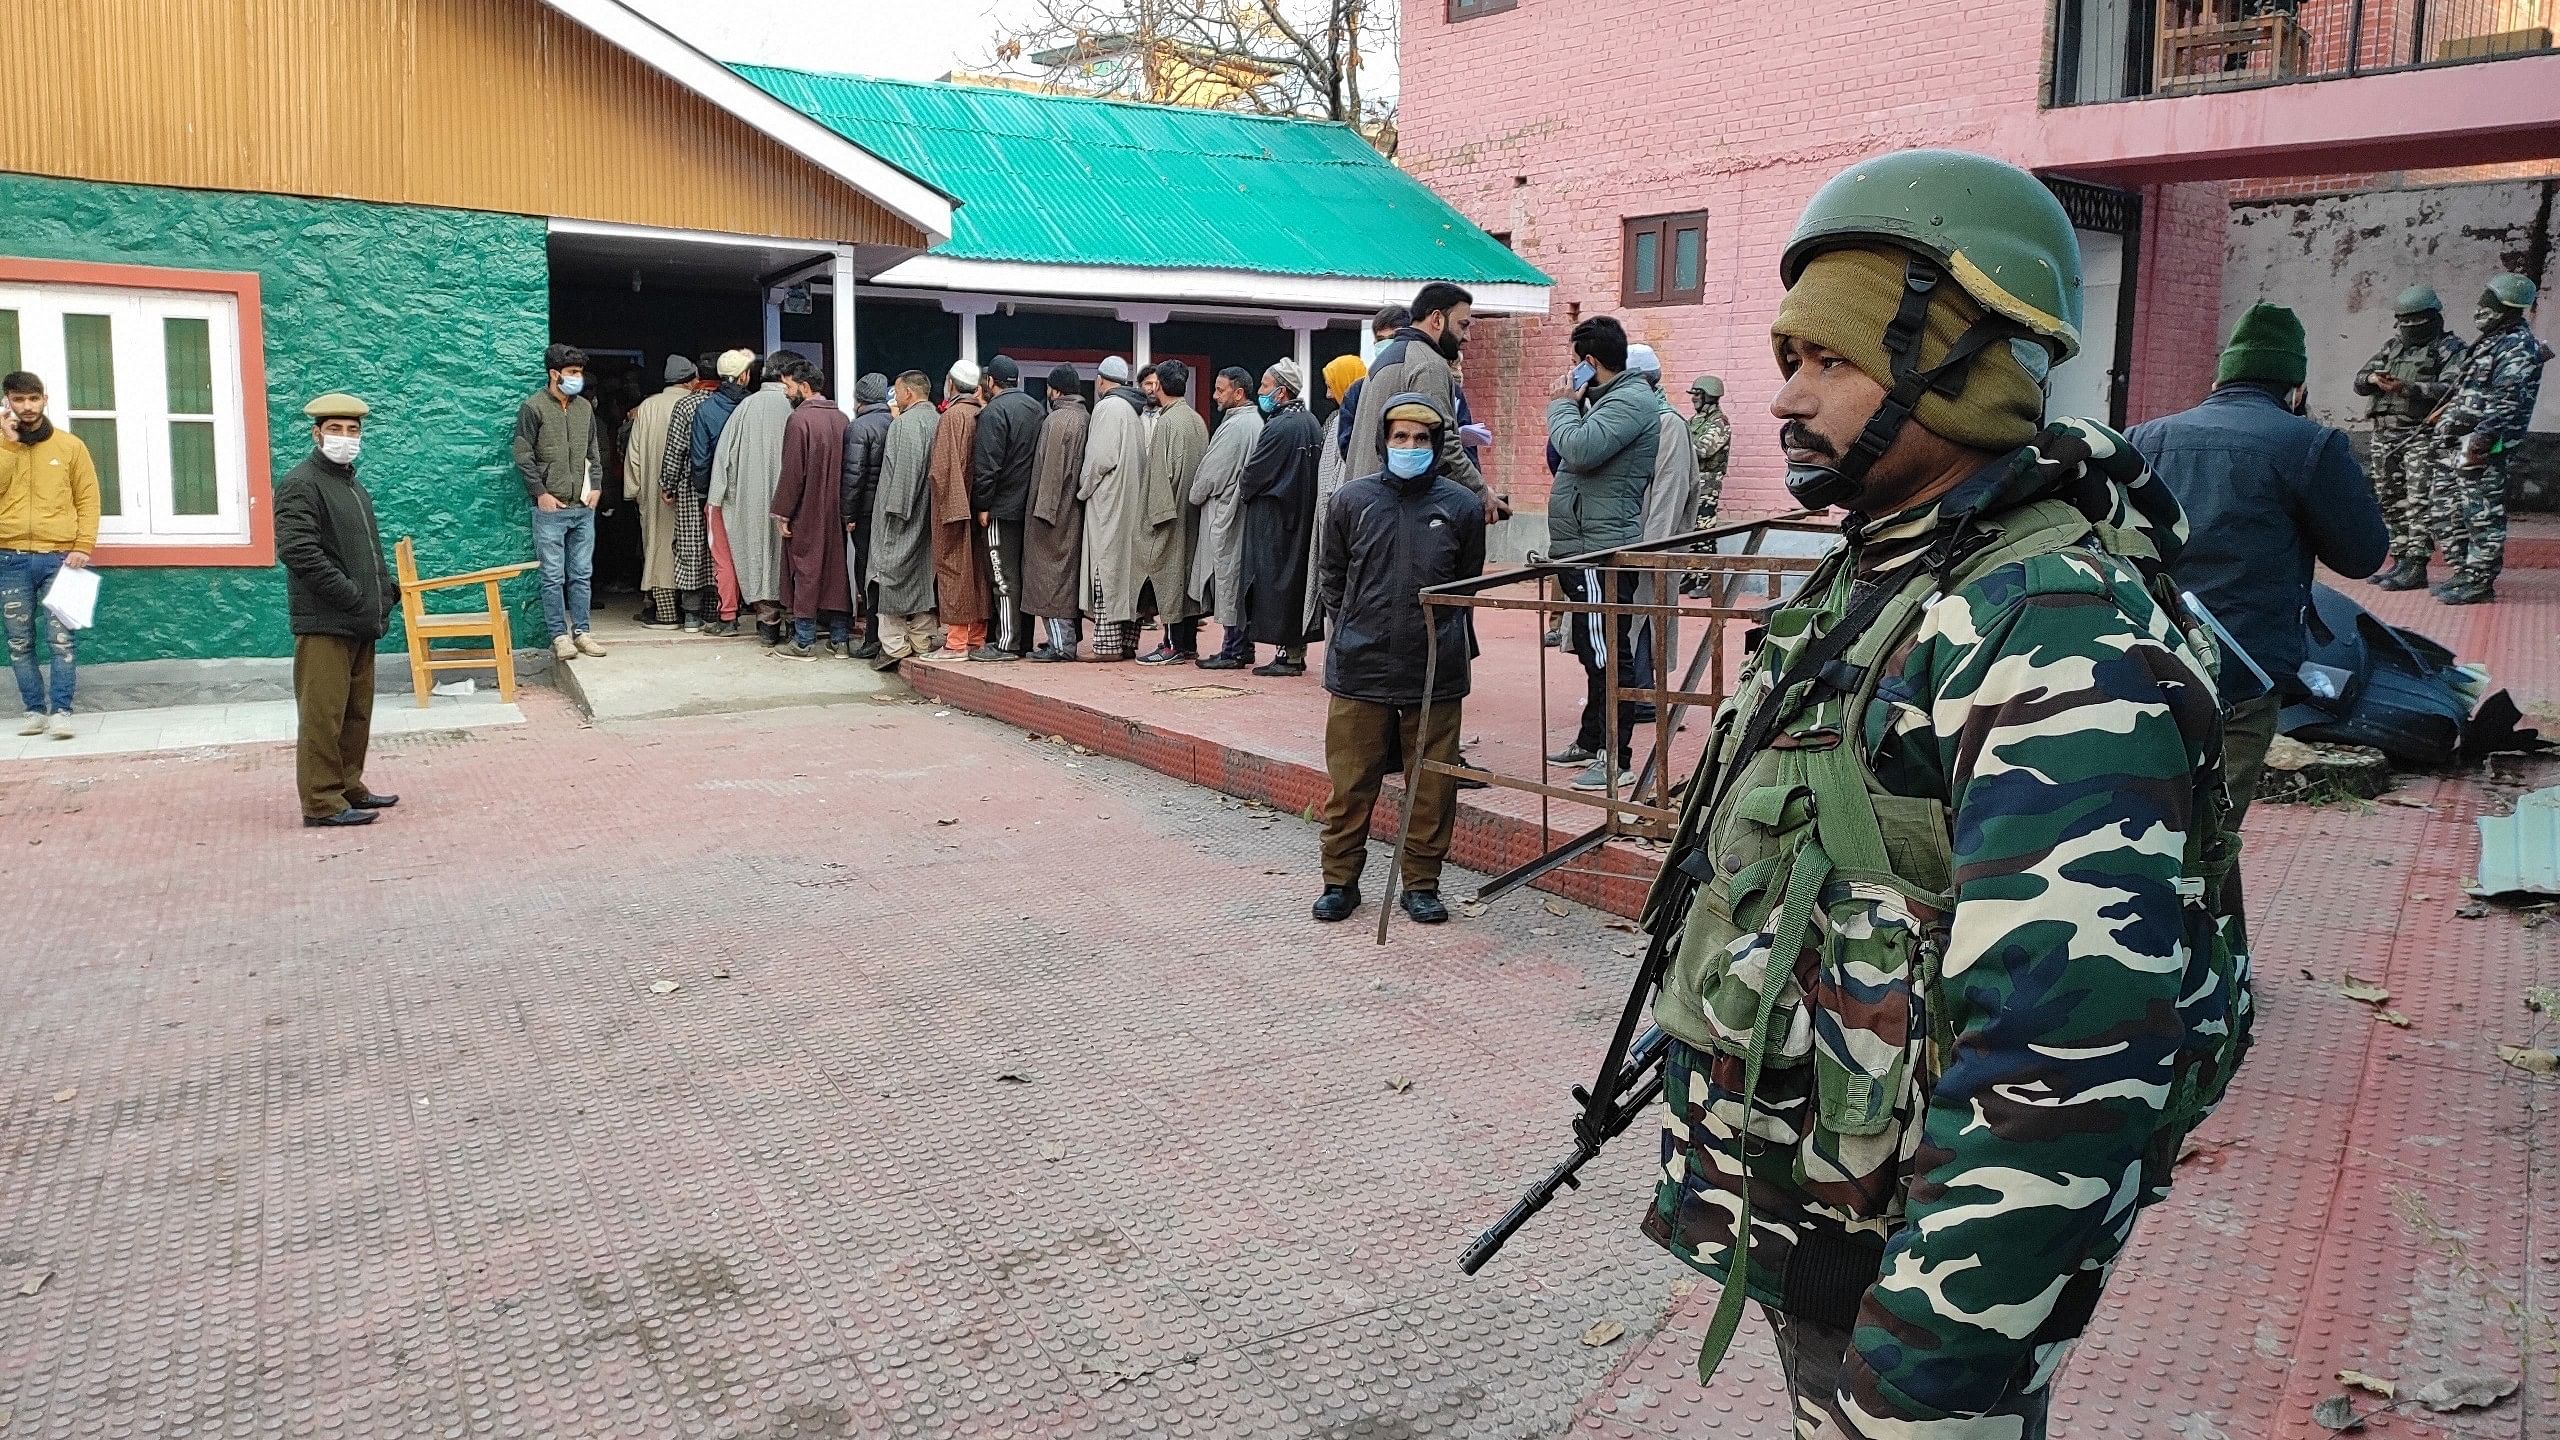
x,y
1606,433
1217,563
1416,361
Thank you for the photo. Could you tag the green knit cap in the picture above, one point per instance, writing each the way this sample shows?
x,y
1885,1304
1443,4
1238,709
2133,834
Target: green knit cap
x,y
2265,345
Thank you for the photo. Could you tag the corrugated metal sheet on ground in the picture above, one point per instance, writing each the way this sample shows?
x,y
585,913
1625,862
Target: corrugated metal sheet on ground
x,y
2520,853
1056,179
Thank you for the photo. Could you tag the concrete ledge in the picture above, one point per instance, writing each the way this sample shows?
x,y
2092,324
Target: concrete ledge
x,y
158,684
1613,878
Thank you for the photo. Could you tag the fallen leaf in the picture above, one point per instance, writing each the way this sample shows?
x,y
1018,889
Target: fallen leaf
x,y
2533,920
2307,975
2374,1383
1471,909
2337,1413
2551,1257
1534,930
1555,907
938,714
2471,912
1606,1332
2530,1060
947,820
1081,749
1399,1083
1052,1151
2464,1392
2405,803
664,987
2362,990
66,1094
1629,926
1013,1077
1684,1287
35,1282
2422,897
720,974
2392,1017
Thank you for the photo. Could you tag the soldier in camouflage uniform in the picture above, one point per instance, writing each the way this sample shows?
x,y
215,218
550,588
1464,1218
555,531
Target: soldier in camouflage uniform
x,y
1711,436
1938,960
2494,390
2407,379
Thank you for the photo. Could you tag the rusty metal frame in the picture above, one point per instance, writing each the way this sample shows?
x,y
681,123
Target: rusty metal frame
x,y
1724,557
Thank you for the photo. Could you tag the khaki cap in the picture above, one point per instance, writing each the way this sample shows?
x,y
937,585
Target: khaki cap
x,y
337,405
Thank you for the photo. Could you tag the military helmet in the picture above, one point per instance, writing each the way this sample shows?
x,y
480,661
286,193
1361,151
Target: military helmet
x,y
2512,292
2002,236
2417,300
1707,385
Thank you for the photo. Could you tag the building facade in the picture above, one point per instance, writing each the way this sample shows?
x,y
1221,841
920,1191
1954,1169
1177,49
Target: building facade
x,y
1652,155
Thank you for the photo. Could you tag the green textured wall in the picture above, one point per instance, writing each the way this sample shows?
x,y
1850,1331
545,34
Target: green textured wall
x,y
436,317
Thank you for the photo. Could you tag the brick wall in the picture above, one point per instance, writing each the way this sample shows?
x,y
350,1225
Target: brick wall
x,y
2304,187
1557,119
2177,316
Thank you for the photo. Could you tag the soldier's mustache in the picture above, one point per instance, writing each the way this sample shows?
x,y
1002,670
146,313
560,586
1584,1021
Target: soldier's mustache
x,y
1794,436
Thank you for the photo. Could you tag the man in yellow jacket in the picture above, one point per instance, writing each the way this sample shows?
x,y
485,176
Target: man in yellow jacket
x,y
48,519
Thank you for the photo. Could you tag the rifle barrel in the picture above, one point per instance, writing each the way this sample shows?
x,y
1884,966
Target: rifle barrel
x,y
1490,1243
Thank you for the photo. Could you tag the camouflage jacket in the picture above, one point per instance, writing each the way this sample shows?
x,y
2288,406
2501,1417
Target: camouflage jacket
x,y
2495,387
2006,1076
1711,436
2425,373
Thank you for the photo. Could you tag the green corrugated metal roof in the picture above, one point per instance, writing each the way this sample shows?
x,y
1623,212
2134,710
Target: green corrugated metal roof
x,y
1066,180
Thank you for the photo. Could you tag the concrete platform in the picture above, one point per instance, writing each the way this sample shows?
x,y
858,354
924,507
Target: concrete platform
x,y
259,722
651,674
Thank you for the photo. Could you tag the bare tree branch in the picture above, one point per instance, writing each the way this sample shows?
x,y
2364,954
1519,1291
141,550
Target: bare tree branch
x,y
1284,57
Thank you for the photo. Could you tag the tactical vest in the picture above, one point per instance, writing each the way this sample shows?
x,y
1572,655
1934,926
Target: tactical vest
x,y
1793,861
2415,367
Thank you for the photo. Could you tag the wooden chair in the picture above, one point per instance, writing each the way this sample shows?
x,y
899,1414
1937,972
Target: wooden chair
x,y
488,625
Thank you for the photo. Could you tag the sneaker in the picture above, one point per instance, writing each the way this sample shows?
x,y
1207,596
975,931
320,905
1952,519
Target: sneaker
x,y
1553,639
719,629
944,655
589,646
60,726
1163,654
35,724
2467,592
792,651
1595,776
1573,755
693,624
865,648
1224,662
1281,668
652,622
991,654
564,648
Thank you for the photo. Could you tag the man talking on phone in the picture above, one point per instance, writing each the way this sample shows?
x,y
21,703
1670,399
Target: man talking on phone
x,y
48,520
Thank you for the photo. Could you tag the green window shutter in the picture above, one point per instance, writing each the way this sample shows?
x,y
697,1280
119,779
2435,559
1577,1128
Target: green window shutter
x,y
1648,261
9,341
190,350
88,342
194,485
1684,260
100,436
194,488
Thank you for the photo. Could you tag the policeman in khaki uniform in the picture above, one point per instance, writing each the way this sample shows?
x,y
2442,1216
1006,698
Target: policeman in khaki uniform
x,y
340,596
2408,378
1943,914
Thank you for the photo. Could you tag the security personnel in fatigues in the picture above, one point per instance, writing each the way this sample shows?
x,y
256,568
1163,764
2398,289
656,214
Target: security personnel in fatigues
x,y
2494,389
1944,978
2407,379
1711,437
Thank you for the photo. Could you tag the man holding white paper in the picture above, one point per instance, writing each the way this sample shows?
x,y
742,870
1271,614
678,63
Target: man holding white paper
x,y
48,522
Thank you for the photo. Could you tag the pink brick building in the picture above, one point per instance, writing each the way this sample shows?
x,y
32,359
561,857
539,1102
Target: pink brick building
x,y
1566,125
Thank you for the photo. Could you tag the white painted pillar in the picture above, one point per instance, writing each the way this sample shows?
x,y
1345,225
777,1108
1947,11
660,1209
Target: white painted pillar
x,y
1142,321
1305,327
968,308
772,321
840,361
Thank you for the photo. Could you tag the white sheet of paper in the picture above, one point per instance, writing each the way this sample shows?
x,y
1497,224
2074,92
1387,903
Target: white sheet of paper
x,y
72,598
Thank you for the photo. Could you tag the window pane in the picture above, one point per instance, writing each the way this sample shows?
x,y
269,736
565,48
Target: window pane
x,y
1648,261
190,345
1684,260
100,436
89,341
9,340
192,487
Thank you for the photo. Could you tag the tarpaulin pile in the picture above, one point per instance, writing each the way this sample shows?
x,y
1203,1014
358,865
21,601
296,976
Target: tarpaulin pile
x,y
2367,683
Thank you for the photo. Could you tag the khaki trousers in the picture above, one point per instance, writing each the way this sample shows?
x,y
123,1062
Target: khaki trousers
x,y
1363,743
333,688
903,635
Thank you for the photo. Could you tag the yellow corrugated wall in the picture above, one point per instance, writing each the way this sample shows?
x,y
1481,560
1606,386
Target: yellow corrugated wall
x,y
474,104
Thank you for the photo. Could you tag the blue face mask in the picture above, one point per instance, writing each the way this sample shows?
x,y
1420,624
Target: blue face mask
x,y
1406,464
572,384
1267,403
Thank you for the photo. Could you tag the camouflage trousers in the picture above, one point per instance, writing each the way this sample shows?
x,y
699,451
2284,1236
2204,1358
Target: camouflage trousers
x,y
2404,480
2468,512
1812,1355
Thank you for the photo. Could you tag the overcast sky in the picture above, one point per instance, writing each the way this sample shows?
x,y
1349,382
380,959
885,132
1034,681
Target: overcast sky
x,y
908,39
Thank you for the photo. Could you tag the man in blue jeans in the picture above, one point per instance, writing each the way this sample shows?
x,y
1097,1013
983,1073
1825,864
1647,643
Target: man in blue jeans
x,y
48,520
560,453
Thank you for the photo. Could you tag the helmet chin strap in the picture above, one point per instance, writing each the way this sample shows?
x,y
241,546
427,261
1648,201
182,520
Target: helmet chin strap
x,y
1819,487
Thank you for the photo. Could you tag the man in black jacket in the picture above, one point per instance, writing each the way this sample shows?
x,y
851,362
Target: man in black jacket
x,y
339,597
1387,537
866,444
1001,461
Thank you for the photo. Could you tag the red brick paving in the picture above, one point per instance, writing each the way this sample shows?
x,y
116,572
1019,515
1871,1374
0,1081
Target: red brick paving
x,y
385,1134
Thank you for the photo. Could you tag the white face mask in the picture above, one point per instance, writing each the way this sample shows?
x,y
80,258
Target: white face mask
x,y
341,449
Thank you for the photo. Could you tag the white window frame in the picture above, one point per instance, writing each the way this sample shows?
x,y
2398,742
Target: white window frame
x,y
145,484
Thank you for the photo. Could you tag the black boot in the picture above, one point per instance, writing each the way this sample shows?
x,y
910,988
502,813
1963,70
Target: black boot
x,y
2466,592
1425,907
1337,902
2407,575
